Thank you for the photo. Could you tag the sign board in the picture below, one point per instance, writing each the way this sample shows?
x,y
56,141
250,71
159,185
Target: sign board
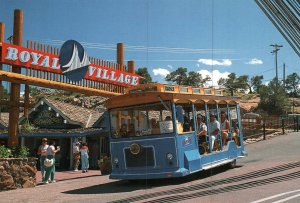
x,y
29,58
166,127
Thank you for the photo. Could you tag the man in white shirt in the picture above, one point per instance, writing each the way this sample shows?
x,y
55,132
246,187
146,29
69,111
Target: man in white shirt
x,y
214,129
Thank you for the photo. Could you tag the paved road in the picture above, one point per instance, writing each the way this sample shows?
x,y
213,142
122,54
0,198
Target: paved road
x,y
271,173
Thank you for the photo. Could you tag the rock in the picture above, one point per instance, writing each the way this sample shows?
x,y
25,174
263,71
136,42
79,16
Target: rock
x,y
6,177
17,173
28,184
7,182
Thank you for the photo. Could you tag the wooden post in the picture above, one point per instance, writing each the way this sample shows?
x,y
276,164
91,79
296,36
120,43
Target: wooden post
x,y
26,101
264,130
15,87
282,125
120,55
130,65
2,26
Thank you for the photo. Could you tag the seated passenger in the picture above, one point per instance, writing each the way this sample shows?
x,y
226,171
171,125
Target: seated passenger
x,y
225,126
154,126
214,129
123,131
235,134
168,118
131,131
202,129
186,124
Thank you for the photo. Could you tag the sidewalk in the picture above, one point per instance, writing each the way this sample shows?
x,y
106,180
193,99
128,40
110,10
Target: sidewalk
x,y
68,175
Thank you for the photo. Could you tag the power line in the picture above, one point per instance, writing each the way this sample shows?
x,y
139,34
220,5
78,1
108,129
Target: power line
x,y
142,48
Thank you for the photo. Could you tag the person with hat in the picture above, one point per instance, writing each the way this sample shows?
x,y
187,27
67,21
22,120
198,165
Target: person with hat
x,y
42,152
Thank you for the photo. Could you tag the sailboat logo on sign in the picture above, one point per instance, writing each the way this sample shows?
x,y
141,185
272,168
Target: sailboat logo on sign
x,y
73,59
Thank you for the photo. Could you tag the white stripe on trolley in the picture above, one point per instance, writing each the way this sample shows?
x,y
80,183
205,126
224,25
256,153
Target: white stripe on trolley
x,y
275,196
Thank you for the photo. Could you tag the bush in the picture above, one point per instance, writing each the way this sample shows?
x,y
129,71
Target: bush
x,y
20,152
5,152
16,152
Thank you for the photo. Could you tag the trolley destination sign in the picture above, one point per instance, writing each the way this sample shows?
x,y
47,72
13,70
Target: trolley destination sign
x,y
24,57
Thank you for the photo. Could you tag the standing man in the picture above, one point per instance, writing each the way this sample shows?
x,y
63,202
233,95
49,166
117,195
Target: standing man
x,y
214,129
76,156
42,152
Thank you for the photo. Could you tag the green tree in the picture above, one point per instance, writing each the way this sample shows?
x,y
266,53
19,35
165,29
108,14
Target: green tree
x,y
273,98
145,74
292,84
234,83
256,82
178,76
182,77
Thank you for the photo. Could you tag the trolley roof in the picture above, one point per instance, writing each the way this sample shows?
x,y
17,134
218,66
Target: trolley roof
x,y
152,93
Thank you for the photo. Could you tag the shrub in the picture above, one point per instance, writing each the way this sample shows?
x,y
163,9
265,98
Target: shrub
x,y
20,152
5,152
16,152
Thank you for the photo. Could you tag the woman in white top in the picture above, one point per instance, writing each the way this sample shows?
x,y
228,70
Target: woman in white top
x,y
51,151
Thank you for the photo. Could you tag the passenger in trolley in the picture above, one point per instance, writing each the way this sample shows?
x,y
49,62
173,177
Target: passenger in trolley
x,y
214,129
202,135
225,127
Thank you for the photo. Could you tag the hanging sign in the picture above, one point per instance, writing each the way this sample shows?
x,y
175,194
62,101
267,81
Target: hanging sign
x,y
72,62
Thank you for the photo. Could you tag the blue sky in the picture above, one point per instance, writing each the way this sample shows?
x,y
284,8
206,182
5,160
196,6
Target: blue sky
x,y
220,36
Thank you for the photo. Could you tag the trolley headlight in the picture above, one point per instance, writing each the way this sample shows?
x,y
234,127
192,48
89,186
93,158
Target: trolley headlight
x,y
169,156
135,148
116,160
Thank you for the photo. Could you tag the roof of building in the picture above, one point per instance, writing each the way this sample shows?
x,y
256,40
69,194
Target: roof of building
x,y
4,118
74,114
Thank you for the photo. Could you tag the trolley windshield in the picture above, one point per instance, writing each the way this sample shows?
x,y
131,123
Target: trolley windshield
x,y
141,120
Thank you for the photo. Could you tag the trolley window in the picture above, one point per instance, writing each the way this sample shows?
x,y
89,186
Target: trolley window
x,y
144,120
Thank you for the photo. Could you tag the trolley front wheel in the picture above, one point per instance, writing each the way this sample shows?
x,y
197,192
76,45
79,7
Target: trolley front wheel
x,y
232,164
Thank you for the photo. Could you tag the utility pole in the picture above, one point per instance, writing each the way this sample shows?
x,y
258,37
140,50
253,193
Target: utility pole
x,y
276,49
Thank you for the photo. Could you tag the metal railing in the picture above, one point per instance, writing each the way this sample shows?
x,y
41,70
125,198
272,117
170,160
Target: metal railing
x,y
269,125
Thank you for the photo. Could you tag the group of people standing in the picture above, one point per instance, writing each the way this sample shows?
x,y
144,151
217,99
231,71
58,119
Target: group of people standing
x,y
47,160
81,152
215,129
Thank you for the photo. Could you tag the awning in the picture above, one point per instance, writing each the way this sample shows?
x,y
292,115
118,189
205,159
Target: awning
x,y
84,133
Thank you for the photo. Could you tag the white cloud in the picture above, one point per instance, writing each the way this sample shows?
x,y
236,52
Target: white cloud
x,y
160,72
215,76
210,62
170,66
255,61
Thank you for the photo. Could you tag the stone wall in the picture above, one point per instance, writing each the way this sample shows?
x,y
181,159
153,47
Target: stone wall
x,y
17,173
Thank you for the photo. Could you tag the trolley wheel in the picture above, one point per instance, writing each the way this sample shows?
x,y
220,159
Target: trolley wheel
x,y
232,164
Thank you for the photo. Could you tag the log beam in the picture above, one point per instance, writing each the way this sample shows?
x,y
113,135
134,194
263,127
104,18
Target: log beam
x,y
27,80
